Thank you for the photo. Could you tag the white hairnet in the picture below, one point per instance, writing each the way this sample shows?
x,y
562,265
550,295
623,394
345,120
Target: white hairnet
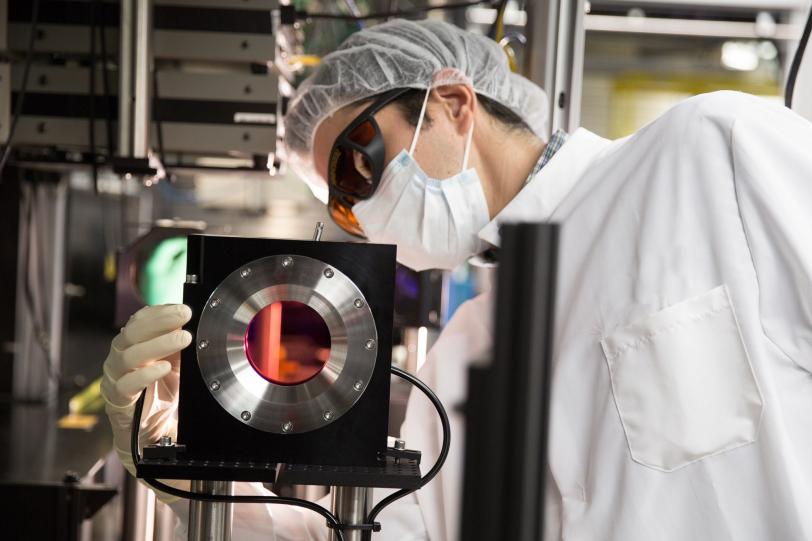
x,y
403,54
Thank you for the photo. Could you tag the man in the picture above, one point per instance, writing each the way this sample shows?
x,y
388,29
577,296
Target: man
x,y
683,341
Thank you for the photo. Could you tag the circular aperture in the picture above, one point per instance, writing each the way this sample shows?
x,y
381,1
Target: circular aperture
x,y
287,343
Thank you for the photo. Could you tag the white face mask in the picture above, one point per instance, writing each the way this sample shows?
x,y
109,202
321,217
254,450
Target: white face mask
x,y
433,222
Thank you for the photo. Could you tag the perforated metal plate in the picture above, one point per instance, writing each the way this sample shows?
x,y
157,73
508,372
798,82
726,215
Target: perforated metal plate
x,y
241,390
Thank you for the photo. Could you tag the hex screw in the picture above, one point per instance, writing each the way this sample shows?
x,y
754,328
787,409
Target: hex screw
x,y
214,303
245,273
328,273
358,303
165,441
327,415
287,262
370,344
358,385
400,445
214,385
203,344
287,427
245,416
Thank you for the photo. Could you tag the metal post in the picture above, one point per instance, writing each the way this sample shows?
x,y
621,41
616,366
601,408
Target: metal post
x,y
319,230
556,63
125,80
569,66
142,83
542,40
506,413
350,505
139,511
211,521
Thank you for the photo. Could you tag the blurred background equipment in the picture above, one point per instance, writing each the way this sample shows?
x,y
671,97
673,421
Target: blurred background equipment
x,y
125,124
507,409
640,57
152,269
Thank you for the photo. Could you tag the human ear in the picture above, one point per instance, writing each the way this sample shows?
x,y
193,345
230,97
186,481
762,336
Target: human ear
x,y
458,103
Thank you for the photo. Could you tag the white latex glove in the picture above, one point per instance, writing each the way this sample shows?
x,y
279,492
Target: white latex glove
x,y
145,354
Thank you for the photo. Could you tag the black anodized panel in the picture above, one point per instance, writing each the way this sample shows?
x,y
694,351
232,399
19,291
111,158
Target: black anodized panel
x,y
356,438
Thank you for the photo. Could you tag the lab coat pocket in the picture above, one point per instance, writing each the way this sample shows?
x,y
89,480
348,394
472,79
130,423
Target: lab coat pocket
x,y
683,383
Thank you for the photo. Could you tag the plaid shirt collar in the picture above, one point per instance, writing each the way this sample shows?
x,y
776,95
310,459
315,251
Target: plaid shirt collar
x,y
489,257
557,141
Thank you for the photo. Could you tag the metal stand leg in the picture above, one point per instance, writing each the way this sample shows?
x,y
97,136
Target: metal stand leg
x,y
350,505
211,521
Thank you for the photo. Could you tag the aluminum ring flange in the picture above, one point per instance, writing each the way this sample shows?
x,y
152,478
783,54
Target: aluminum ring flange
x,y
247,395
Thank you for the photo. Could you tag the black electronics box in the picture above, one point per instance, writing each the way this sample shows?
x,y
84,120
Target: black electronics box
x,y
210,433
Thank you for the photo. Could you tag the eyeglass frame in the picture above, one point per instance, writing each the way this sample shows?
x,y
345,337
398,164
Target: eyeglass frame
x,y
376,146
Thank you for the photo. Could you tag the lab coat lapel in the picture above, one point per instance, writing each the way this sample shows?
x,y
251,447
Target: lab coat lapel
x,y
537,201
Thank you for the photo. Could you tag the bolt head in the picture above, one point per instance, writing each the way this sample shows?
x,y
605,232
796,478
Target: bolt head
x,y
287,262
327,415
358,385
245,416
287,427
358,303
214,385
203,344
328,273
369,344
214,303
245,273
400,444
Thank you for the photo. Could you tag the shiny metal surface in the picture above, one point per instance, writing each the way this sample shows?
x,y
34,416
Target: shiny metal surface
x,y
239,388
125,78
318,232
350,505
142,82
211,521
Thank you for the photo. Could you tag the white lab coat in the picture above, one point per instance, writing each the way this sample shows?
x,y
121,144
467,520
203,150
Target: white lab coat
x,y
682,387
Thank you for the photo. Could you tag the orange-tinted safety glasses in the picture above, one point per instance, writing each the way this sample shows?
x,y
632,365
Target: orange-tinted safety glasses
x,y
356,164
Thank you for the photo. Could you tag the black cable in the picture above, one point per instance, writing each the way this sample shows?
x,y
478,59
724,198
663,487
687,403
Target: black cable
x,y
18,108
386,15
139,407
796,61
426,390
435,469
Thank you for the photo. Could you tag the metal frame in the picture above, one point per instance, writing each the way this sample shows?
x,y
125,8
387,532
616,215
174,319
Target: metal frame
x,y
258,402
507,412
142,80
125,81
556,63
211,521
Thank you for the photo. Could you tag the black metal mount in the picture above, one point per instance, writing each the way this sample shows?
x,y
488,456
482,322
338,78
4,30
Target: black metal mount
x,y
374,527
397,468
171,462
133,166
506,413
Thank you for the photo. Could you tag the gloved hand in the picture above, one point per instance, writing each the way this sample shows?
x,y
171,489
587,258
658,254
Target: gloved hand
x,y
145,354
